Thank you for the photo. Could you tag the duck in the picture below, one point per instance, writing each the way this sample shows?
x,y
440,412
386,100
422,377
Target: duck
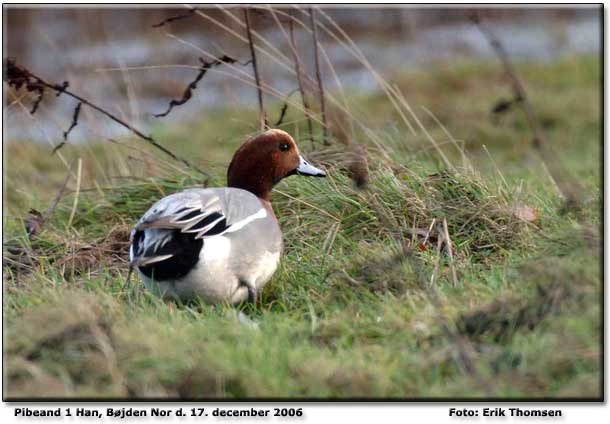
x,y
220,244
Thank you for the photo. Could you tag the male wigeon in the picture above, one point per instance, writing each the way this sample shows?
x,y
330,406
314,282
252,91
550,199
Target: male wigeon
x,y
219,244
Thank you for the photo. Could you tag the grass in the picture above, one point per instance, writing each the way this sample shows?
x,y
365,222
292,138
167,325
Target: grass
x,y
345,315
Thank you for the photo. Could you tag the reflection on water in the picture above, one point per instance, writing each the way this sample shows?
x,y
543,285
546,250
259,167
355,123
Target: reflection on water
x,y
99,57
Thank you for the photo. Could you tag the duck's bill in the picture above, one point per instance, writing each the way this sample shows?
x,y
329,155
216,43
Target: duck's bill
x,y
305,168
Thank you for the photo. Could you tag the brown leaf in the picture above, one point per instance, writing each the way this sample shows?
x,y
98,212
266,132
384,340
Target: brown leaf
x,y
526,213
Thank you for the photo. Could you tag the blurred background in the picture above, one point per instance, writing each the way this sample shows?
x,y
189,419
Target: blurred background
x,y
117,57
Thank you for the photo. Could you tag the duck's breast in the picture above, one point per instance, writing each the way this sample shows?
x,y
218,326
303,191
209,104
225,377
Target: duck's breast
x,y
256,250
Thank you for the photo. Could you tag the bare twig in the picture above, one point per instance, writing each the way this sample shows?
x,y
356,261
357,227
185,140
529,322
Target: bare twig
x,y
314,32
37,101
285,108
261,106
74,120
566,184
18,76
69,130
59,146
297,68
188,92
175,18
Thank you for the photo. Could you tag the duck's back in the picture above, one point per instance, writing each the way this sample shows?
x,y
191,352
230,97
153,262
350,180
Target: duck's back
x,y
206,242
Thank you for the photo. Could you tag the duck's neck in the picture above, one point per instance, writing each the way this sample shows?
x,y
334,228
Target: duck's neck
x,y
259,190
259,186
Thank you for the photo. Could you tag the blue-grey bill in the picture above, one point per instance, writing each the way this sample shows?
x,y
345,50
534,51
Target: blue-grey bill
x,y
305,168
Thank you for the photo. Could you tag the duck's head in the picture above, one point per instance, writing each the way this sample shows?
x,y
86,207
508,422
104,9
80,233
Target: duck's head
x,y
262,161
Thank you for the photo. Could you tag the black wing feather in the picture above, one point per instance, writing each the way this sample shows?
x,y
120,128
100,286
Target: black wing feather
x,y
184,247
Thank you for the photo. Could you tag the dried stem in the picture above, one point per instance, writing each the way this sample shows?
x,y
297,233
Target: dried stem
x,y
58,196
428,232
73,124
17,76
449,251
79,174
278,58
566,184
188,92
284,109
37,101
437,259
35,220
297,68
314,33
175,18
261,107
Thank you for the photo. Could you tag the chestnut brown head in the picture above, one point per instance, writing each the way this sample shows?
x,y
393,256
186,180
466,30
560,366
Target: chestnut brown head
x,y
263,160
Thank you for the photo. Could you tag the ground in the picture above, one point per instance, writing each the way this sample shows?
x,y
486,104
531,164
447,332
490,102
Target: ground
x,y
366,302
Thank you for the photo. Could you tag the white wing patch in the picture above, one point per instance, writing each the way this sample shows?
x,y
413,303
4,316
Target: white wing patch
x,y
262,213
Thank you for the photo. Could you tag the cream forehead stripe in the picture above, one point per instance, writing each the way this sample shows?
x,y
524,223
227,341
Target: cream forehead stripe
x,y
275,131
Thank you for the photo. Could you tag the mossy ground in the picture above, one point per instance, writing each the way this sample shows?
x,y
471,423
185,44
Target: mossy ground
x,y
345,315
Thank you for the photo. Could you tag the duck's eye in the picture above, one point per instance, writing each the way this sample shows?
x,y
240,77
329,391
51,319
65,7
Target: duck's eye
x,y
284,147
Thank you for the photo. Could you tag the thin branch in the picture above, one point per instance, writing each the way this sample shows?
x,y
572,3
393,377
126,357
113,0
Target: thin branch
x,y
285,108
566,184
69,130
297,68
56,148
188,92
314,32
18,76
175,18
74,120
261,107
37,101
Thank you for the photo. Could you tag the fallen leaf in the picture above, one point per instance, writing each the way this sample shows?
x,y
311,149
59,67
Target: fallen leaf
x,y
526,213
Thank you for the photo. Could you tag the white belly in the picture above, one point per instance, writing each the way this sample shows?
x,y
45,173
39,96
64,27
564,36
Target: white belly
x,y
265,268
216,277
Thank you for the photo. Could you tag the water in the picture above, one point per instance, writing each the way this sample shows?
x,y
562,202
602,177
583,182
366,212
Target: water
x,y
136,95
